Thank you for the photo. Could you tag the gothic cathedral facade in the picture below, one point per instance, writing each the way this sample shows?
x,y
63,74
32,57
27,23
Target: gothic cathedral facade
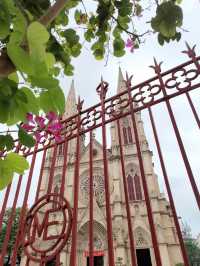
x,y
163,220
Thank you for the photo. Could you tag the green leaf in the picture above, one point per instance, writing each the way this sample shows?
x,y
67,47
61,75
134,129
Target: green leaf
x,y
13,163
52,100
69,70
168,17
25,138
38,36
19,28
161,39
71,37
32,103
17,163
4,20
9,142
20,58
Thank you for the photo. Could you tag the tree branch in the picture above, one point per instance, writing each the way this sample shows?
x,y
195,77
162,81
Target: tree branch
x,y
134,35
6,65
52,12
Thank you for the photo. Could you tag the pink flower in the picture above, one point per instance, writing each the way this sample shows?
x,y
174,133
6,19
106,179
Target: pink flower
x,y
40,121
28,127
29,117
38,136
58,137
54,127
130,44
52,116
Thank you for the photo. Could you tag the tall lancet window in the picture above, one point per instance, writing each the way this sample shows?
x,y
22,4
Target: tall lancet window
x,y
125,136
60,149
130,184
130,138
138,190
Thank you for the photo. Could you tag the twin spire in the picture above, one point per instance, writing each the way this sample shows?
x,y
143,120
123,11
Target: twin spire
x,y
70,108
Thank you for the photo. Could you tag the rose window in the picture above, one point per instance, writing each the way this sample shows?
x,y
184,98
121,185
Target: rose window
x,y
98,188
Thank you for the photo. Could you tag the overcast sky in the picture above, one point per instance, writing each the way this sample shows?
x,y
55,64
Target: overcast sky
x,y
87,76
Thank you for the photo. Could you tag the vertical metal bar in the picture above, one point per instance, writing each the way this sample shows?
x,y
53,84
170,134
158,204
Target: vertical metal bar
x,y
91,248
130,230
76,190
5,200
52,169
10,220
22,217
193,109
58,259
41,174
64,169
144,183
178,136
62,188
167,184
103,90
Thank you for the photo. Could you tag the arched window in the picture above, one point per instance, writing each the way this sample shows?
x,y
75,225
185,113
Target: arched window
x,y
125,136
130,138
130,188
138,190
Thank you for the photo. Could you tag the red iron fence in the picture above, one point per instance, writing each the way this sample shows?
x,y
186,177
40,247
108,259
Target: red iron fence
x,y
160,89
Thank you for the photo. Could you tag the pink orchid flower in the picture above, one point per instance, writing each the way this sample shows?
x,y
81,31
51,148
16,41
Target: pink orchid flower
x,y
52,116
58,137
28,127
29,117
130,44
54,127
40,121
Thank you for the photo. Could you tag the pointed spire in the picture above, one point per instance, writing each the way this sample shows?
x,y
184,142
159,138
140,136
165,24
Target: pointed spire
x,y
121,84
70,108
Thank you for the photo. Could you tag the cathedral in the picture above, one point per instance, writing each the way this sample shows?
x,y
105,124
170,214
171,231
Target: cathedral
x,y
163,219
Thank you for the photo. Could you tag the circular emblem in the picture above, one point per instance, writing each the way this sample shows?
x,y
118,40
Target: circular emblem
x,y
48,227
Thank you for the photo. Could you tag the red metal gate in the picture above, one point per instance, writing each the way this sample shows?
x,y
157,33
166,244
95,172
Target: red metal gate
x,y
159,90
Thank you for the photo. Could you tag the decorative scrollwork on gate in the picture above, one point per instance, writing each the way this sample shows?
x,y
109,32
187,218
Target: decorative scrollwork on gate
x,y
48,227
181,79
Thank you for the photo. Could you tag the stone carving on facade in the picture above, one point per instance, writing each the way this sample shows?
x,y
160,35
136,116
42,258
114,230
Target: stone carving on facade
x,y
140,240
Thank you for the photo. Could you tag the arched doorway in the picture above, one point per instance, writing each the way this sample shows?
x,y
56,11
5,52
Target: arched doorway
x,y
99,244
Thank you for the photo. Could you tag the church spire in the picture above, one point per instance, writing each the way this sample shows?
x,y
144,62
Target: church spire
x,y
121,84
70,107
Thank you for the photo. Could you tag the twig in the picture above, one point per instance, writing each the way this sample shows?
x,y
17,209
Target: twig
x,y
134,35
84,8
52,12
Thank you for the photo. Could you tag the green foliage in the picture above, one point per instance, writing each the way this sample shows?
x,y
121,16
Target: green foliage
x,y
6,142
168,18
12,163
193,251
14,228
25,138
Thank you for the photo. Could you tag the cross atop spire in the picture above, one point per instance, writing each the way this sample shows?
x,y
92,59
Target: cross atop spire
x,y
121,84
70,108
